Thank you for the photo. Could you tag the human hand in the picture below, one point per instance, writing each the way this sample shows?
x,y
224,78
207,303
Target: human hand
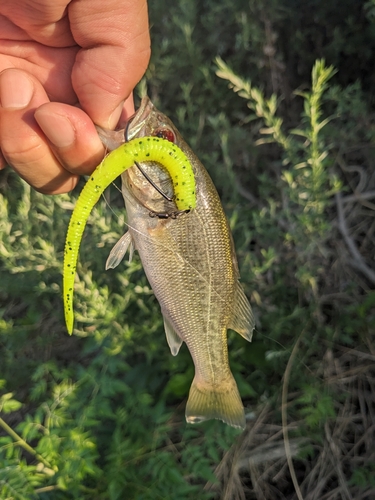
x,y
56,55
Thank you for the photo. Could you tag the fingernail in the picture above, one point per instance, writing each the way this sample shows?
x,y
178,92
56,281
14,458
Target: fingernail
x,y
115,116
57,128
16,90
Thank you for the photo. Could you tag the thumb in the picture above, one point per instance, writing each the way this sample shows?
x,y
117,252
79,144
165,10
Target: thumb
x,y
115,51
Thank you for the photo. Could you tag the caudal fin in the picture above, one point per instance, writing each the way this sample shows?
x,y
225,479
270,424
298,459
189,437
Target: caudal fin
x,y
223,403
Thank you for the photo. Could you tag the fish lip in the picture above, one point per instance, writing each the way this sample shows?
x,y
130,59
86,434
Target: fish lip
x,y
135,126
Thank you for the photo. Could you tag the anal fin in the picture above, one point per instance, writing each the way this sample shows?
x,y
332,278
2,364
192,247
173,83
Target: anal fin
x,y
242,320
174,341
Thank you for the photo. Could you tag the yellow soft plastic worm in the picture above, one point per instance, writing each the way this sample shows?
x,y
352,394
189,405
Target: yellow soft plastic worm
x,y
114,164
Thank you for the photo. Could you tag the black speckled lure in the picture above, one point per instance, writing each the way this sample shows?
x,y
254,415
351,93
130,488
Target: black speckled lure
x,y
114,164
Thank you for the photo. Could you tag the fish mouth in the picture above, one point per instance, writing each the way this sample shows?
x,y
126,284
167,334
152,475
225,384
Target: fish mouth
x,y
135,127
136,124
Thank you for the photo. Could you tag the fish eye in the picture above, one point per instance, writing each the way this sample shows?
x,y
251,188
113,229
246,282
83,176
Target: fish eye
x,y
165,133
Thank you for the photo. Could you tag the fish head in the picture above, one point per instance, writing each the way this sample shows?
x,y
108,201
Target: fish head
x,y
149,122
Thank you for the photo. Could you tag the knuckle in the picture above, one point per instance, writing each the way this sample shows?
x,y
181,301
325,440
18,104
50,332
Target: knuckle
x,y
22,152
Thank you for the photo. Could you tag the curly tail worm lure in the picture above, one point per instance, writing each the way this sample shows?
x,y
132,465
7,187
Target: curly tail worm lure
x,y
114,164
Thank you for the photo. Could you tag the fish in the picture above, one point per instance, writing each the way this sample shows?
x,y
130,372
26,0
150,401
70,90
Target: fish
x,y
190,262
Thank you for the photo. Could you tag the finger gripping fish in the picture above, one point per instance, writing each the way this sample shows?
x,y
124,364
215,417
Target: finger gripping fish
x,y
144,149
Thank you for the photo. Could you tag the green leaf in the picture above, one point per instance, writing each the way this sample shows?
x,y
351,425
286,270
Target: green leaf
x,y
8,404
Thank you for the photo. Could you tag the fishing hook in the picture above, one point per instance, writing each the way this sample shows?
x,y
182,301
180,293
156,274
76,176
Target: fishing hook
x,y
155,186
166,215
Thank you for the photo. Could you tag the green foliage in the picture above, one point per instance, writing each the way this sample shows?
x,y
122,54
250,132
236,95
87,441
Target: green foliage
x,y
364,476
100,415
96,410
317,406
8,404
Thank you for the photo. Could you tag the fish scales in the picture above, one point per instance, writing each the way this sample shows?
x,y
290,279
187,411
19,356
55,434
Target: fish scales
x,y
192,268
194,296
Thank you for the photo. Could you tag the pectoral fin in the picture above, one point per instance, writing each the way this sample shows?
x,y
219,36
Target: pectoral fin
x,y
242,320
174,341
119,250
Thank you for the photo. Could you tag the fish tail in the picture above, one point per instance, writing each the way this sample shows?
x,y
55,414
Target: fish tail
x,y
222,402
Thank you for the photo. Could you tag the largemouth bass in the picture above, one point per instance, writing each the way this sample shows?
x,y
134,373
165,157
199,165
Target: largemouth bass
x,y
190,262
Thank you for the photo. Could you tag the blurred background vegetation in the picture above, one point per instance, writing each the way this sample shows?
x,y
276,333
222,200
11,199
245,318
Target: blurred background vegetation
x,y
276,98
